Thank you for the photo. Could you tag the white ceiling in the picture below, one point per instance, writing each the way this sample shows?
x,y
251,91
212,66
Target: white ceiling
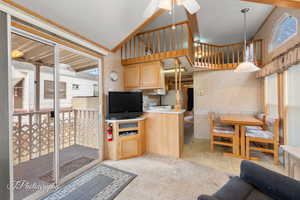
x,y
221,22
108,22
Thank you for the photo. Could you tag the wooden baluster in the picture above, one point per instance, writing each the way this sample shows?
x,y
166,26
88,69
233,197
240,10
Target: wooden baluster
x,y
182,36
153,42
203,55
206,55
215,55
130,47
233,61
209,56
238,55
122,48
143,44
158,41
149,42
228,58
126,50
134,47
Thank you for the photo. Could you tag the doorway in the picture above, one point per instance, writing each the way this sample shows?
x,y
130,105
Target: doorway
x,y
56,116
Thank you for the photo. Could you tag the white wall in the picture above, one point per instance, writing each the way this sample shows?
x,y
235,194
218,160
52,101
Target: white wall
x,y
224,92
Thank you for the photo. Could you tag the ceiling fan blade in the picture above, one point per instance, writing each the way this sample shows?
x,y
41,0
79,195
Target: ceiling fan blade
x,y
191,5
152,7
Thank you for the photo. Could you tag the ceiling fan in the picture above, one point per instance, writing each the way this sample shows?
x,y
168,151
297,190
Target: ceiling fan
x,y
192,6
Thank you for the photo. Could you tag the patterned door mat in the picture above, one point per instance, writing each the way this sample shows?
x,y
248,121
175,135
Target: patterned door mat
x,y
100,183
67,169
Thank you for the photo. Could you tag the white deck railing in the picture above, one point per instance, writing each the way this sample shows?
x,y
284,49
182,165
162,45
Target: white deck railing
x,y
33,132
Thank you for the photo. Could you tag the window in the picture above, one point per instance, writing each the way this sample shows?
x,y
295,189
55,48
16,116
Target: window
x,y
293,105
283,31
271,95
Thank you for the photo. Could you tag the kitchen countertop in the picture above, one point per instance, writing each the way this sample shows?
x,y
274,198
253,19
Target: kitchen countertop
x,y
165,111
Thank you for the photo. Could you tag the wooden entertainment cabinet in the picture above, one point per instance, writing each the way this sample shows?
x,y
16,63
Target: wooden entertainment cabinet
x,y
128,138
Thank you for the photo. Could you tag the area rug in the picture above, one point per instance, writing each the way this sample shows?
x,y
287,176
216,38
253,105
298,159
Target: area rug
x,y
101,183
67,168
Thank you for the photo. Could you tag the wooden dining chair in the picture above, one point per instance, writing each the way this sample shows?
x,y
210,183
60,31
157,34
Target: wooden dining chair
x,y
269,136
225,132
262,117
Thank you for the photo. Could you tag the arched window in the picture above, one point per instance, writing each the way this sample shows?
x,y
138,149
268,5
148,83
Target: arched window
x,y
284,30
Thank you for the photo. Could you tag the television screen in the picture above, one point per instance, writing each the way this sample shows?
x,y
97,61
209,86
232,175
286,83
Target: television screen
x,y
122,104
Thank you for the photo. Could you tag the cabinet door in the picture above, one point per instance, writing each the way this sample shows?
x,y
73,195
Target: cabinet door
x,y
153,132
151,75
132,77
129,146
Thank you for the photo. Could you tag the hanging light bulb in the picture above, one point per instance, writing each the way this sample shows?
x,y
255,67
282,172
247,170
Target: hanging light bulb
x,y
246,65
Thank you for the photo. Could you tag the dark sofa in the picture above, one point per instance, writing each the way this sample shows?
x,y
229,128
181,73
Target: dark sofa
x,y
257,183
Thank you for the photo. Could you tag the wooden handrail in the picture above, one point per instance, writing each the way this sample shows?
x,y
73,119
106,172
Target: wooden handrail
x,y
162,27
216,57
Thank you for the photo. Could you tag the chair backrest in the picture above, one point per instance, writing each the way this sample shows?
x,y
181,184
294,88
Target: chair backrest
x,y
211,117
272,124
261,116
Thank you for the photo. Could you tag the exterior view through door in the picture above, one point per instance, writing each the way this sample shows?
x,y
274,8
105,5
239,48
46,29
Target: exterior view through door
x,y
47,78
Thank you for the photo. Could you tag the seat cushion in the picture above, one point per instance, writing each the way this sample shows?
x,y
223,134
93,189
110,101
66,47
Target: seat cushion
x,y
259,134
227,130
253,128
257,195
235,188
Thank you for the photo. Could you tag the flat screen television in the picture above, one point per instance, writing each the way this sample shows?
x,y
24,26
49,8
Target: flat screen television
x,y
125,105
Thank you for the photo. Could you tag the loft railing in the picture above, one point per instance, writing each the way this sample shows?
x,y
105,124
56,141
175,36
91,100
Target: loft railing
x,y
159,43
33,132
214,57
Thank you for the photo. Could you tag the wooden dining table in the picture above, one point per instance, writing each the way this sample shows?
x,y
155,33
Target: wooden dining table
x,y
241,121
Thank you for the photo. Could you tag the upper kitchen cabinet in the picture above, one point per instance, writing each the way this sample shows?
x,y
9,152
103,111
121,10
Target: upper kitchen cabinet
x,y
144,76
132,77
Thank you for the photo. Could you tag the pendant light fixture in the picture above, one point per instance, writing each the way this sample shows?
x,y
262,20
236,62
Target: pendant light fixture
x,y
247,65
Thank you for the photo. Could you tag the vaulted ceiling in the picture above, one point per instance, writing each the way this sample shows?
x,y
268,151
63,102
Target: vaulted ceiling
x,y
108,22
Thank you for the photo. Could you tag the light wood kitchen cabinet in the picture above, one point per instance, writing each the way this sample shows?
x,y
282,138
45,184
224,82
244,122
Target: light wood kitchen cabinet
x,y
132,76
151,75
144,76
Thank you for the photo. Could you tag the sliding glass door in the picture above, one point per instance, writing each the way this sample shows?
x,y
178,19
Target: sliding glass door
x,y
55,117
79,113
33,115
293,105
